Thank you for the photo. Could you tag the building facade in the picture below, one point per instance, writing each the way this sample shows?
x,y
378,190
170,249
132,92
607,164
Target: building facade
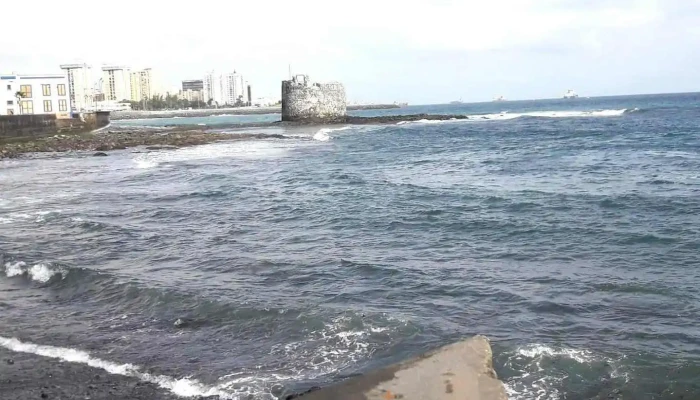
x,y
80,86
116,83
232,88
212,87
194,85
143,85
34,94
224,89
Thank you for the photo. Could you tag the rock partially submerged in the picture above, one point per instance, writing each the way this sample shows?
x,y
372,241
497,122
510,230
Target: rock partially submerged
x,y
461,370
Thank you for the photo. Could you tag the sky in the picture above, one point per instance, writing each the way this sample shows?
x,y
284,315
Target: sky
x,y
421,52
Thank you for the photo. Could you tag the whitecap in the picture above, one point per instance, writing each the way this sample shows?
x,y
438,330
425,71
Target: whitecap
x,y
38,272
14,269
322,134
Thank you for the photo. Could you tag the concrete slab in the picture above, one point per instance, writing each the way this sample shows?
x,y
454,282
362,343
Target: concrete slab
x,y
462,370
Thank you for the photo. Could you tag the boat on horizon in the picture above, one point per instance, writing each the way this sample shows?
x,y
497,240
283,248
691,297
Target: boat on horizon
x,y
570,94
499,98
457,101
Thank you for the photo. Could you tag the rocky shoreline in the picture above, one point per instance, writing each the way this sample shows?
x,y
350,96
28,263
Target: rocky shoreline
x,y
179,136
101,142
208,112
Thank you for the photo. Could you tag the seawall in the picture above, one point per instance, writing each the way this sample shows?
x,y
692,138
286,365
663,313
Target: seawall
x,y
31,126
462,370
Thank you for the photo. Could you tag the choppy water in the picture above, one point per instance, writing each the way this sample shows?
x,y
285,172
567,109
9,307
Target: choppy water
x,y
566,231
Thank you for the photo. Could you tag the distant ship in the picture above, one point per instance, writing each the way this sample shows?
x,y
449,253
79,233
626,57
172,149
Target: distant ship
x,y
456,101
499,98
570,94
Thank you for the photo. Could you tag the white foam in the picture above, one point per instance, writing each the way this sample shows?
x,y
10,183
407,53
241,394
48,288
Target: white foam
x,y
38,272
237,149
526,387
538,351
14,269
184,387
505,115
322,134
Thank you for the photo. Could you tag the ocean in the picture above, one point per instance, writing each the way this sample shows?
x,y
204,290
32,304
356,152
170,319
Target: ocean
x,y
567,231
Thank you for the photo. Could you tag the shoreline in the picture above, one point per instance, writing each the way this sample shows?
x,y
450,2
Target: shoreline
x,y
172,137
239,111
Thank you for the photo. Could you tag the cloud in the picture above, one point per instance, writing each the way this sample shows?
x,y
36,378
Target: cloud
x,y
366,42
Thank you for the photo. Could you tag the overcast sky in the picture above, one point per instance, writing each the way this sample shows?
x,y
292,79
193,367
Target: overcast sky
x,y
382,50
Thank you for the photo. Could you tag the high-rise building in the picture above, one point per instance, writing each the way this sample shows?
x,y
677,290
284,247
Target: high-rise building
x,y
232,88
143,85
194,85
212,88
224,89
116,83
80,86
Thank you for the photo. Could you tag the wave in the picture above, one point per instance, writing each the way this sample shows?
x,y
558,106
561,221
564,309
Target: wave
x,y
539,370
184,387
322,135
505,115
35,216
235,149
38,272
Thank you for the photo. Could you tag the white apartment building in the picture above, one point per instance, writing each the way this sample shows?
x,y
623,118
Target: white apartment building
x,y
212,88
116,83
224,89
34,94
143,85
80,86
232,88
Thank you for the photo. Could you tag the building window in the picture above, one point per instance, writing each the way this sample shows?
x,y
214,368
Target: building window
x,y
26,106
61,89
9,87
46,90
62,105
26,91
9,102
48,107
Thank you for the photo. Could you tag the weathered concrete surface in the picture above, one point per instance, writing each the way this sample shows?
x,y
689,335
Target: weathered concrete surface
x,y
303,100
37,125
461,371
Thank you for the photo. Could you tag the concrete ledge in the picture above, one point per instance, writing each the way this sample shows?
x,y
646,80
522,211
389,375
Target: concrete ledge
x,y
461,370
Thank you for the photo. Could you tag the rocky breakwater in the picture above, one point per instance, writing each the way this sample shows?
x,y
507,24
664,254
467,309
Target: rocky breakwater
x,y
461,370
105,141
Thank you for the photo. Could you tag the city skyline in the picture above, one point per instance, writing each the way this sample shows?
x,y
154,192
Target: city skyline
x,y
403,51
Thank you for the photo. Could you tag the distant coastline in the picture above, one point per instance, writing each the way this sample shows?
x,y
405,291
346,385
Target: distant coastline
x,y
124,115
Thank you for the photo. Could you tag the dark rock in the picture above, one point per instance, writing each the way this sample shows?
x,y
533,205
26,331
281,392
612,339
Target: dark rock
x,y
10,361
100,154
298,395
44,395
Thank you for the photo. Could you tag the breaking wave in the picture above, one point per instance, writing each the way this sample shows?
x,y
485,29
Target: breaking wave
x,y
41,272
322,135
503,116
538,371
181,387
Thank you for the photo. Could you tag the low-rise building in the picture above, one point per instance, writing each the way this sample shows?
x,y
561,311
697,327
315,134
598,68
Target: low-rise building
x,y
34,94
